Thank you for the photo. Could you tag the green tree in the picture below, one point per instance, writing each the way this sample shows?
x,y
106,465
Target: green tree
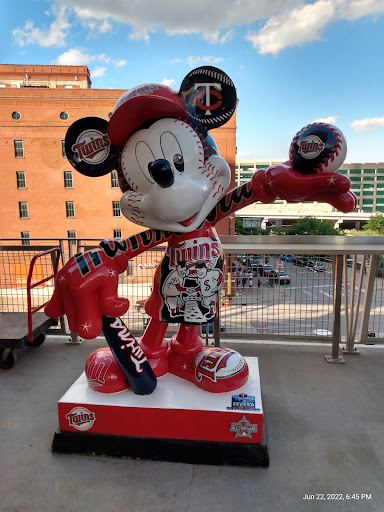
x,y
312,226
375,224
240,230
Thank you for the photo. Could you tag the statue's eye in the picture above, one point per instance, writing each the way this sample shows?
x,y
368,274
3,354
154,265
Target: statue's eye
x,y
178,162
172,151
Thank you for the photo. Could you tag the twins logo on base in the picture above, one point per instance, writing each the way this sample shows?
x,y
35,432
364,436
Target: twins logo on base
x,y
80,418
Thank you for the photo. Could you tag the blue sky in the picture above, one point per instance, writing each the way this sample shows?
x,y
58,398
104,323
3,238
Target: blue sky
x,y
292,61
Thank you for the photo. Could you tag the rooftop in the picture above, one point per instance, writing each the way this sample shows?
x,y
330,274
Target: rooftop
x,y
324,430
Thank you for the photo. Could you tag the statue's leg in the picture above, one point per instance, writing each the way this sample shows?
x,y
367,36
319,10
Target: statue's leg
x,y
155,346
213,369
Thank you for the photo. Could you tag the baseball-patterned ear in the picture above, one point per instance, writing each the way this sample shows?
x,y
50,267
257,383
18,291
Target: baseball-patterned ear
x,y
209,96
88,147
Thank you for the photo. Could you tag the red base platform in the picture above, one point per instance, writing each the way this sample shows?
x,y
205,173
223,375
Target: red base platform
x,y
177,422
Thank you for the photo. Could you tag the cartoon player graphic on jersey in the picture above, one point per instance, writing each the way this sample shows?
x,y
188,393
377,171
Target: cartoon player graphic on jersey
x,y
172,289
174,182
210,283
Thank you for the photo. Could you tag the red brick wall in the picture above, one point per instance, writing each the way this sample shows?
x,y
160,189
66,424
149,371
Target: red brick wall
x,y
41,130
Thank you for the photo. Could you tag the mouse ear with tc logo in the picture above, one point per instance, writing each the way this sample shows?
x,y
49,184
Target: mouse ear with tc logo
x,y
209,96
88,148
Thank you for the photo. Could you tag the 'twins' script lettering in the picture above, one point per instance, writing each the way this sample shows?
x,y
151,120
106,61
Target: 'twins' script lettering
x,y
137,356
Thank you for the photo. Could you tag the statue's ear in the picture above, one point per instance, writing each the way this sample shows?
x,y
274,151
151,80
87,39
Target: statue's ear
x,y
88,147
209,96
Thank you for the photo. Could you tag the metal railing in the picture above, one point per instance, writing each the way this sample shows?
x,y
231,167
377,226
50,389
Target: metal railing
x,y
276,287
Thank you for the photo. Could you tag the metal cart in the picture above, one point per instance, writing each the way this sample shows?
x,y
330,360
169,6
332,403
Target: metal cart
x,y
18,329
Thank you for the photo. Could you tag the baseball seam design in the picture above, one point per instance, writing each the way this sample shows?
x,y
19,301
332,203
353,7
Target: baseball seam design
x,y
334,151
214,74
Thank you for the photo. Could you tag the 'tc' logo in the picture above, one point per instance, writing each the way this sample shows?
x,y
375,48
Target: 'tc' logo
x,y
208,92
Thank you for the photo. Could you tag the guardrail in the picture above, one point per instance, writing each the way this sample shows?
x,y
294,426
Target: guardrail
x,y
334,290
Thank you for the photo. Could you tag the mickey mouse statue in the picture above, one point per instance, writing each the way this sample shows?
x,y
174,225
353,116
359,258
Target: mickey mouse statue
x,y
174,182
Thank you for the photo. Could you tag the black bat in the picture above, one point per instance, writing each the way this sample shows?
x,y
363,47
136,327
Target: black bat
x,y
129,356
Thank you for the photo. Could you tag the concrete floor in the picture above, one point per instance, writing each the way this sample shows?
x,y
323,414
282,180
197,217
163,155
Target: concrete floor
x,y
325,427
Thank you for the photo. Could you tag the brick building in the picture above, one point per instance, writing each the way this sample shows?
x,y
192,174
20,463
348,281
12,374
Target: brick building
x,y
41,195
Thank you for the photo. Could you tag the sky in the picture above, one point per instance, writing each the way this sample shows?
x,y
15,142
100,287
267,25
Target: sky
x,y
292,61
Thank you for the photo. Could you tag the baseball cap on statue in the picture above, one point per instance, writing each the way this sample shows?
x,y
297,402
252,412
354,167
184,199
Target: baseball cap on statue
x,y
143,103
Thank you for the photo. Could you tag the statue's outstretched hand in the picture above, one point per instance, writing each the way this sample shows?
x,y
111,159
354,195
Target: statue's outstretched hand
x,y
284,182
86,289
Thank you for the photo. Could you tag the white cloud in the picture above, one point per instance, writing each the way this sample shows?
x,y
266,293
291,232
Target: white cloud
x,y
104,58
285,22
140,35
74,57
367,124
120,63
297,27
55,35
354,9
228,36
147,16
98,71
194,61
105,26
306,23
95,27
168,81
329,120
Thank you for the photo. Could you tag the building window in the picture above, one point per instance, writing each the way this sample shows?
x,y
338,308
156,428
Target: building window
x,y
23,210
116,209
16,116
117,233
25,238
114,180
21,181
19,148
68,179
63,149
70,209
72,236
64,116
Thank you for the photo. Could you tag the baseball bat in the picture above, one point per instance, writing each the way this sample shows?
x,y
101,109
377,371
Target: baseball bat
x,y
129,356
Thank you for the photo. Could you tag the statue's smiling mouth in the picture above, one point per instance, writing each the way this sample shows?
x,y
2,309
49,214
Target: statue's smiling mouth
x,y
188,222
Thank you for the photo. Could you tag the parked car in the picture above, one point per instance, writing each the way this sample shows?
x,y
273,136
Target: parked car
x,y
286,257
318,266
210,327
282,277
265,270
301,262
139,306
254,263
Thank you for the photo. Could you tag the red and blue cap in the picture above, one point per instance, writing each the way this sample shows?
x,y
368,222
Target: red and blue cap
x,y
144,103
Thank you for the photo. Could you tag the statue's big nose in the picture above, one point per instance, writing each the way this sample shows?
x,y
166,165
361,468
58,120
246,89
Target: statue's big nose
x,y
161,172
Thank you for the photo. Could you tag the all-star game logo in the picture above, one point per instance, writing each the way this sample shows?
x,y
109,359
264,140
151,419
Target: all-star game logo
x,y
243,428
310,147
243,402
92,147
80,418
